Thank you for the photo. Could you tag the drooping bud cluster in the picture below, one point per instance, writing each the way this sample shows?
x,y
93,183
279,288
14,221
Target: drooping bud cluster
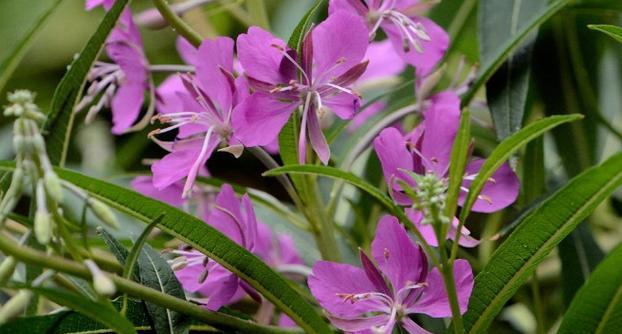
x,y
32,164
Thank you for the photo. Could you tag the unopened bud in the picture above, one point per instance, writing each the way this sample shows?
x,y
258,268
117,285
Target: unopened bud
x,y
101,282
15,306
103,212
43,227
38,144
7,268
52,186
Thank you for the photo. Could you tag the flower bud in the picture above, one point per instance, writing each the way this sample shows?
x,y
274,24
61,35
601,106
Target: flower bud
x,y
38,144
7,268
101,283
103,212
52,186
15,305
43,227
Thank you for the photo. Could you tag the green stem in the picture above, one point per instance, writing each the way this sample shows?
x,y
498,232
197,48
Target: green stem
x,y
223,321
537,304
179,25
316,214
270,163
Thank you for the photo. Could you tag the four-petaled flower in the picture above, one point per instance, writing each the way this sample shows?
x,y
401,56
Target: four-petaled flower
x,y
420,41
320,77
384,293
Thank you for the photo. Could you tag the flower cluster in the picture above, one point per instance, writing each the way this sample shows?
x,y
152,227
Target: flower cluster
x,y
237,94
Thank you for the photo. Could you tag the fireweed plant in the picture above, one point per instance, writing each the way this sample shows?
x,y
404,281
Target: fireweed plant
x,y
373,121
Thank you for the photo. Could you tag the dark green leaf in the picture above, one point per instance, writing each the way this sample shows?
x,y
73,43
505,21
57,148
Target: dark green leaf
x,y
60,119
503,51
536,235
597,307
38,14
157,274
500,21
92,309
295,40
612,31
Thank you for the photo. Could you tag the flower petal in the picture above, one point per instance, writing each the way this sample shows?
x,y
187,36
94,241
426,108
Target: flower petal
x,y
339,43
343,104
261,55
384,62
126,105
434,301
433,50
396,254
258,120
316,136
352,6
187,51
499,192
360,324
330,282
412,328
170,194
176,165
390,146
427,231
215,55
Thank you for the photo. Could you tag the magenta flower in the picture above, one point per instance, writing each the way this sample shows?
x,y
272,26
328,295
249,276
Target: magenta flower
x,y
384,293
418,40
236,219
427,230
202,114
122,84
90,4
428,150
321,76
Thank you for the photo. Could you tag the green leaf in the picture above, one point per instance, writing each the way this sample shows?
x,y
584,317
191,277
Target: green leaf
x,y
205,239
503,51
505,149
597,307
11,56
338,174
288,149
459,157
61,115
612,31
295,40
156,273
538,232
506,91
72,322
92,309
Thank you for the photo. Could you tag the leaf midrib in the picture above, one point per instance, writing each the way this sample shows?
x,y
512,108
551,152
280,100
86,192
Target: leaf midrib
x,y
169,315
526,264
612,304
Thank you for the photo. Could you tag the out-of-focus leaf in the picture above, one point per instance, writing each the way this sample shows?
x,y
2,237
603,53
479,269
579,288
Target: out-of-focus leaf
x,y
11,55
92,309
597,306
59,123
613,31
72,322
536,235
506,90
503,51
205,239
295,40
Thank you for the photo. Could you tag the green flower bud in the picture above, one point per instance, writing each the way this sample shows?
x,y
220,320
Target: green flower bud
x,y
38,144
53,186
15,306
103,212
43,227
101,282
7,268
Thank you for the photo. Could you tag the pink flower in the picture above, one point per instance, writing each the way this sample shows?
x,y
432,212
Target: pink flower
x,y
418,40
319,77
90,4
236,219
428,150
202,113
384,293
122,84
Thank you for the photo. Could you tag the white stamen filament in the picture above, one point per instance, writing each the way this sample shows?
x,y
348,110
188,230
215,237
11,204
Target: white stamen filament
x,y
197,164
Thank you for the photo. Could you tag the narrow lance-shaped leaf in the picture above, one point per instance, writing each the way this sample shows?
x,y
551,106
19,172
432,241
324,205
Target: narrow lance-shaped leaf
x,y
612,31
60,118
205,239
92,309
506,92
11,55
597,306
505,149
535,237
